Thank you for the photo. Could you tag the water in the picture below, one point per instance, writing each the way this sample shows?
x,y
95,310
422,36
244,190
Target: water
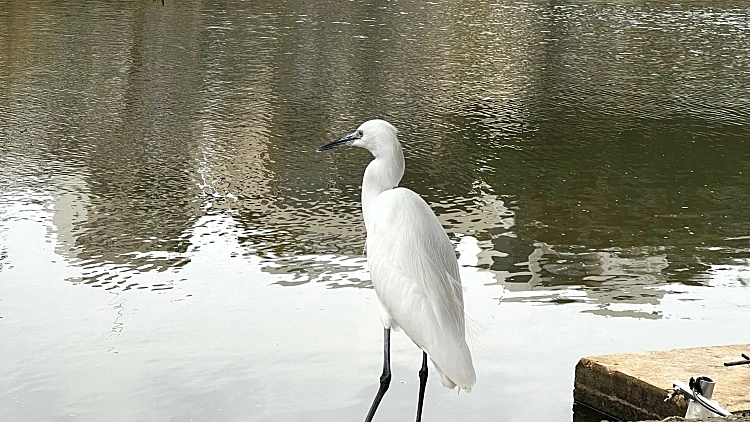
x,y
171,248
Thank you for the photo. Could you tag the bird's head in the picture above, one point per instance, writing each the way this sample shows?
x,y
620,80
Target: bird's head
x,y
376,136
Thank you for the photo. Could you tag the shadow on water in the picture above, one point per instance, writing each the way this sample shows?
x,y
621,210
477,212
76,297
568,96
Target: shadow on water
x,y
582,413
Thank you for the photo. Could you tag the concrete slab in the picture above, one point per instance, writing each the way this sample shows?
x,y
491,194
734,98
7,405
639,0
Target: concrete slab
x,y
633,386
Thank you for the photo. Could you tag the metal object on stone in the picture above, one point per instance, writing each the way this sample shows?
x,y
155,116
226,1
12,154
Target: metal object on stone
x,y
745,361
698,393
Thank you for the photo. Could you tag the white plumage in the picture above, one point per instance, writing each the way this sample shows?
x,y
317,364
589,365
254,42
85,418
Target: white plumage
x,y
412,262
415,274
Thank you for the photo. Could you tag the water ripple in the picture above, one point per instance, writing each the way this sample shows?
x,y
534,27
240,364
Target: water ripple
x,y
553,141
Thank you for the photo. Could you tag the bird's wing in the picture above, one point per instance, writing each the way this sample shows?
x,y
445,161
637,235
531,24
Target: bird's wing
x,y
413,266
415,274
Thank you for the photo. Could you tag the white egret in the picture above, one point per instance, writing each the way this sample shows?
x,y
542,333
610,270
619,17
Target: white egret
x,y
412,265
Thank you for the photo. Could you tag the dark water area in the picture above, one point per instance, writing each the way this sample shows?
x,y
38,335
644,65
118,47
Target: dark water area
x,y
589,160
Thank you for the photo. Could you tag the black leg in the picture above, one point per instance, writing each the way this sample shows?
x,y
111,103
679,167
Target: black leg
x,y
422,385
385,378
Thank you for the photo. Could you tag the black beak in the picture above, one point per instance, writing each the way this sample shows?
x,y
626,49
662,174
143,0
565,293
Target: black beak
x,y
344,140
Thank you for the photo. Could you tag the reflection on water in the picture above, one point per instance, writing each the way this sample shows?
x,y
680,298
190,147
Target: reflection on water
x,y
591,145
579,154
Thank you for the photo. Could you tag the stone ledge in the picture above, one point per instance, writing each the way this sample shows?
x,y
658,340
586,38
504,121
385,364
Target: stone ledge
x,y
633,386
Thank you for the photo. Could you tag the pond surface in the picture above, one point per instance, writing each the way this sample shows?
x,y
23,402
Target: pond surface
x,y
172,248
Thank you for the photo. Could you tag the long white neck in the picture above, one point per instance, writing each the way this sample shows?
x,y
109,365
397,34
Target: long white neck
x,y
383,173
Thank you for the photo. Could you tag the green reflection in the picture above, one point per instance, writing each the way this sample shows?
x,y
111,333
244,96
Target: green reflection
x,y
590,134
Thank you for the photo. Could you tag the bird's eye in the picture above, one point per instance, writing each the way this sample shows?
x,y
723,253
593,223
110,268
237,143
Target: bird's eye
x,y
359,133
